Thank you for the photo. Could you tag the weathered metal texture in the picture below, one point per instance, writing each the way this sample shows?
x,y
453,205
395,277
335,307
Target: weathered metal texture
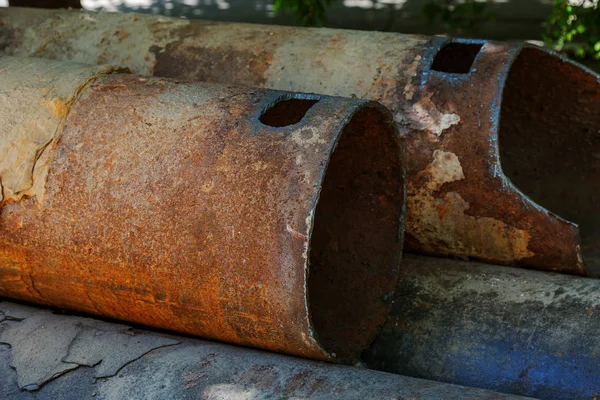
x,y
262,218
524,332
461,203
68,357
35,100
447,97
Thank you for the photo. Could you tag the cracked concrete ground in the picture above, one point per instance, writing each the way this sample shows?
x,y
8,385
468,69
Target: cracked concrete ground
x,y
44,346
44,355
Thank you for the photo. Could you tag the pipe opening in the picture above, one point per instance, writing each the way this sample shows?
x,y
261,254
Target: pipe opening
x,y
549,139
356,241
286,112
456,58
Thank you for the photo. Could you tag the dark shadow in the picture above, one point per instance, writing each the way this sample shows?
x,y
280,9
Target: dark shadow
x,y
550,141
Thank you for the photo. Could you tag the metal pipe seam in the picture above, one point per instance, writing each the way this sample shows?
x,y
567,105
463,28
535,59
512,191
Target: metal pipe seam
x,y
500,138
69,357
261,218
529,333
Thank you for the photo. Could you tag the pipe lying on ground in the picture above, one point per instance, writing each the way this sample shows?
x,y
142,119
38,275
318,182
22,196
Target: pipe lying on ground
x,y
496,134
210,210
523,332
68,357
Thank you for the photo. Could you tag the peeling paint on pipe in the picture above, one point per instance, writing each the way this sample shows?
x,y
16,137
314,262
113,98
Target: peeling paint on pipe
x,y
501,166
205,209
514,331
69,357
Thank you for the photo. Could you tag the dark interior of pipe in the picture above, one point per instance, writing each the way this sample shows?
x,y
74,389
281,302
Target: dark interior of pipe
x,y
286,112
550,141
456,58
356,243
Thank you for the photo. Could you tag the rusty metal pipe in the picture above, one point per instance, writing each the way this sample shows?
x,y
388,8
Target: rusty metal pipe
x,y
69,357
494,147
529,333
255,217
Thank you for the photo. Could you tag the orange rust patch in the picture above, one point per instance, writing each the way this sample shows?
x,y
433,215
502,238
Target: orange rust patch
x,y
58,107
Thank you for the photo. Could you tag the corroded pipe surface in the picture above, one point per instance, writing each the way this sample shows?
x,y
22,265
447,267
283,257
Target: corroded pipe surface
x,y
255,217
501,139
524,332
68,357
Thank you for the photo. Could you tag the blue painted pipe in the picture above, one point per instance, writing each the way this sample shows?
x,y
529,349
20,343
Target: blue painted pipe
x,y
510,330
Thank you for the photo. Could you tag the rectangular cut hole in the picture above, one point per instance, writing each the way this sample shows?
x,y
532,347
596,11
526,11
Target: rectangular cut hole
x,y
286,112
456,58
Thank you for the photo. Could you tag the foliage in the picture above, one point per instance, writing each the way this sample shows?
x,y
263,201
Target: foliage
x,y
309,12
574,27
458,18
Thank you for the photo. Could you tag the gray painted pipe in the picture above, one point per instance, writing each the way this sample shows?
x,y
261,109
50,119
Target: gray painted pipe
x,y
505,329
69,357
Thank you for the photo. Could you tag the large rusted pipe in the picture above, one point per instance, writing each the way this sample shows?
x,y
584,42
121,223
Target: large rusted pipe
x,y
530,333
255,217
68,357
501,139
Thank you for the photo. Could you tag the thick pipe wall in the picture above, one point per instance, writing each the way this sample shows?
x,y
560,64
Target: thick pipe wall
x,y
205,209
48,356
486,130
514,331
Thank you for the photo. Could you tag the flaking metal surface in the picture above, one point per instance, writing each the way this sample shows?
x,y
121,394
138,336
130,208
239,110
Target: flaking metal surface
x,y
461,203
